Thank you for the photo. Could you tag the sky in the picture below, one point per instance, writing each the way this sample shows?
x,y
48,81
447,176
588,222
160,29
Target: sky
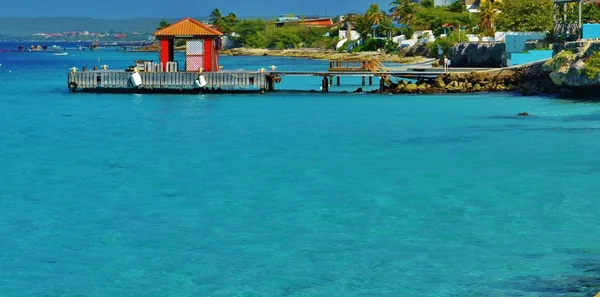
x,y
120,9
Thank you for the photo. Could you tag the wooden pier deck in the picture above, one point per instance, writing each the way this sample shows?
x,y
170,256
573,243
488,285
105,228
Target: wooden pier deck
x,y
102,81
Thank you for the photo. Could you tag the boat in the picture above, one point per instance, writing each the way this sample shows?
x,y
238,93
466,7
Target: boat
x,y
61,54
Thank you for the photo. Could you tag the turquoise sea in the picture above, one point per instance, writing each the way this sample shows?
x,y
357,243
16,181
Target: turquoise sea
x,y
290,194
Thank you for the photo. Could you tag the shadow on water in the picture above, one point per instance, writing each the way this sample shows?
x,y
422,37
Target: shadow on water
x,y
434,140
582,117
585,281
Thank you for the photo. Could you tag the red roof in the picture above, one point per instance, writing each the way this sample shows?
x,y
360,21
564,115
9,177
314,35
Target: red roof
x,y
187,27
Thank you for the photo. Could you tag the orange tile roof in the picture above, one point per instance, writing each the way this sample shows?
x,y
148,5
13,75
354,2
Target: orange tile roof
x,y
187,27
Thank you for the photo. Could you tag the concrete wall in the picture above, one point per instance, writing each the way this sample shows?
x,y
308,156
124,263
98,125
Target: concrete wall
x,y
515,41
530,56
591,31
354,35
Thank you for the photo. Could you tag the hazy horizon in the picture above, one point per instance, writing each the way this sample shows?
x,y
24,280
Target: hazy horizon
x,y
137,9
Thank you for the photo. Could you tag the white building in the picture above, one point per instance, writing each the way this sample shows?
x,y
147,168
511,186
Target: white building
x,y
348,31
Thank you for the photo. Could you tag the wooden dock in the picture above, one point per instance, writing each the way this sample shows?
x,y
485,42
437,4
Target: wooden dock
x,y
169,82
103,81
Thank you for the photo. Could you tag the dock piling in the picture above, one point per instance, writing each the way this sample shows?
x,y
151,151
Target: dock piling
x,y
270,82
370,80
325,85
363,81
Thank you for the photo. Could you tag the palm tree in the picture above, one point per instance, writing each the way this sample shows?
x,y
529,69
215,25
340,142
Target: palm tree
x,y
404,11
361,25
374,15
215,16
487,14
163,24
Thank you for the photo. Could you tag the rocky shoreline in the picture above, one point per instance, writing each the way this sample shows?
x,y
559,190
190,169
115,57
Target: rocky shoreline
x,y
573,71
527,80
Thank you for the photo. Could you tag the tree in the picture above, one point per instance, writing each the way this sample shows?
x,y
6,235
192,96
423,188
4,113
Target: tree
x,y
458,6
361,25
231,20
163,24
446,43
251,33
487,15
589,11
374,15
525,15
434,19
427,3
405,11
215,16
384,27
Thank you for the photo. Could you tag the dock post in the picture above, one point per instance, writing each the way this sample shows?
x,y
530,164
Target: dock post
x,y
270,82
363,81
325,85
370,80
381,84
331,81
338,80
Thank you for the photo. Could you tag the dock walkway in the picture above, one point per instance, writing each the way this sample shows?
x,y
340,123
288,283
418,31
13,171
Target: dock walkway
x,y
100,81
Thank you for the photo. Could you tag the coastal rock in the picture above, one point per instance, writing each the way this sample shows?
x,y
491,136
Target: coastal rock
x,y
411,88
439,82
576,66
420,49
477,55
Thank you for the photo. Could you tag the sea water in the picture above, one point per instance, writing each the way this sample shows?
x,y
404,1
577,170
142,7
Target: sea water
x,y
290,194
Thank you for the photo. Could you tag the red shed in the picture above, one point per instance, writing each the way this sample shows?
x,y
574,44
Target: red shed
x,y
203,44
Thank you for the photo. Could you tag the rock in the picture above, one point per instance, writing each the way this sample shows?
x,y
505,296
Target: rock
x,y
439,82
477,88
359,90
523,114
477,55
401,87
419,49
411,88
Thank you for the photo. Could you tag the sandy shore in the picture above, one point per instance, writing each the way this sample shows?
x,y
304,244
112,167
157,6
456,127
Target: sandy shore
x,y
310,53
322,54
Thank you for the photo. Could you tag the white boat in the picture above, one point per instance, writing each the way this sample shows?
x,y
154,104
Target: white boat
x,y
61,54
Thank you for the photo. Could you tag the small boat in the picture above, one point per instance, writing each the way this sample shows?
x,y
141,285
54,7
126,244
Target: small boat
x,y
61,54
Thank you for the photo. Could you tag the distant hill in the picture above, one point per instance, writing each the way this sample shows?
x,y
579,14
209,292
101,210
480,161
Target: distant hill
x,y
21,27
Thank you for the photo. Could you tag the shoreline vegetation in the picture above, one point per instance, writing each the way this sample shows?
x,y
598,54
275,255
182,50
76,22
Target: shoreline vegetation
x,y
308,53
321,54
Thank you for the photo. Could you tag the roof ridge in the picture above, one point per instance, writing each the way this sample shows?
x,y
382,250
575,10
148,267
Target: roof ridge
x,y
167,31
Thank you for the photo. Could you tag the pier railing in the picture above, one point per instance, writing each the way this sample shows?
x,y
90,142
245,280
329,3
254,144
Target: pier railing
x,y
168,80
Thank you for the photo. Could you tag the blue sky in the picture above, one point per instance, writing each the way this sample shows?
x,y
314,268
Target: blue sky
x,y
115,9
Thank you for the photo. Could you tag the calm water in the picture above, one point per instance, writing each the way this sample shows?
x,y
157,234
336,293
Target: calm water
x,y
290,194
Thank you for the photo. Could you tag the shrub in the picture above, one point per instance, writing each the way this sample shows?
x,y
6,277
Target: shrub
x,y
592,66
446,43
